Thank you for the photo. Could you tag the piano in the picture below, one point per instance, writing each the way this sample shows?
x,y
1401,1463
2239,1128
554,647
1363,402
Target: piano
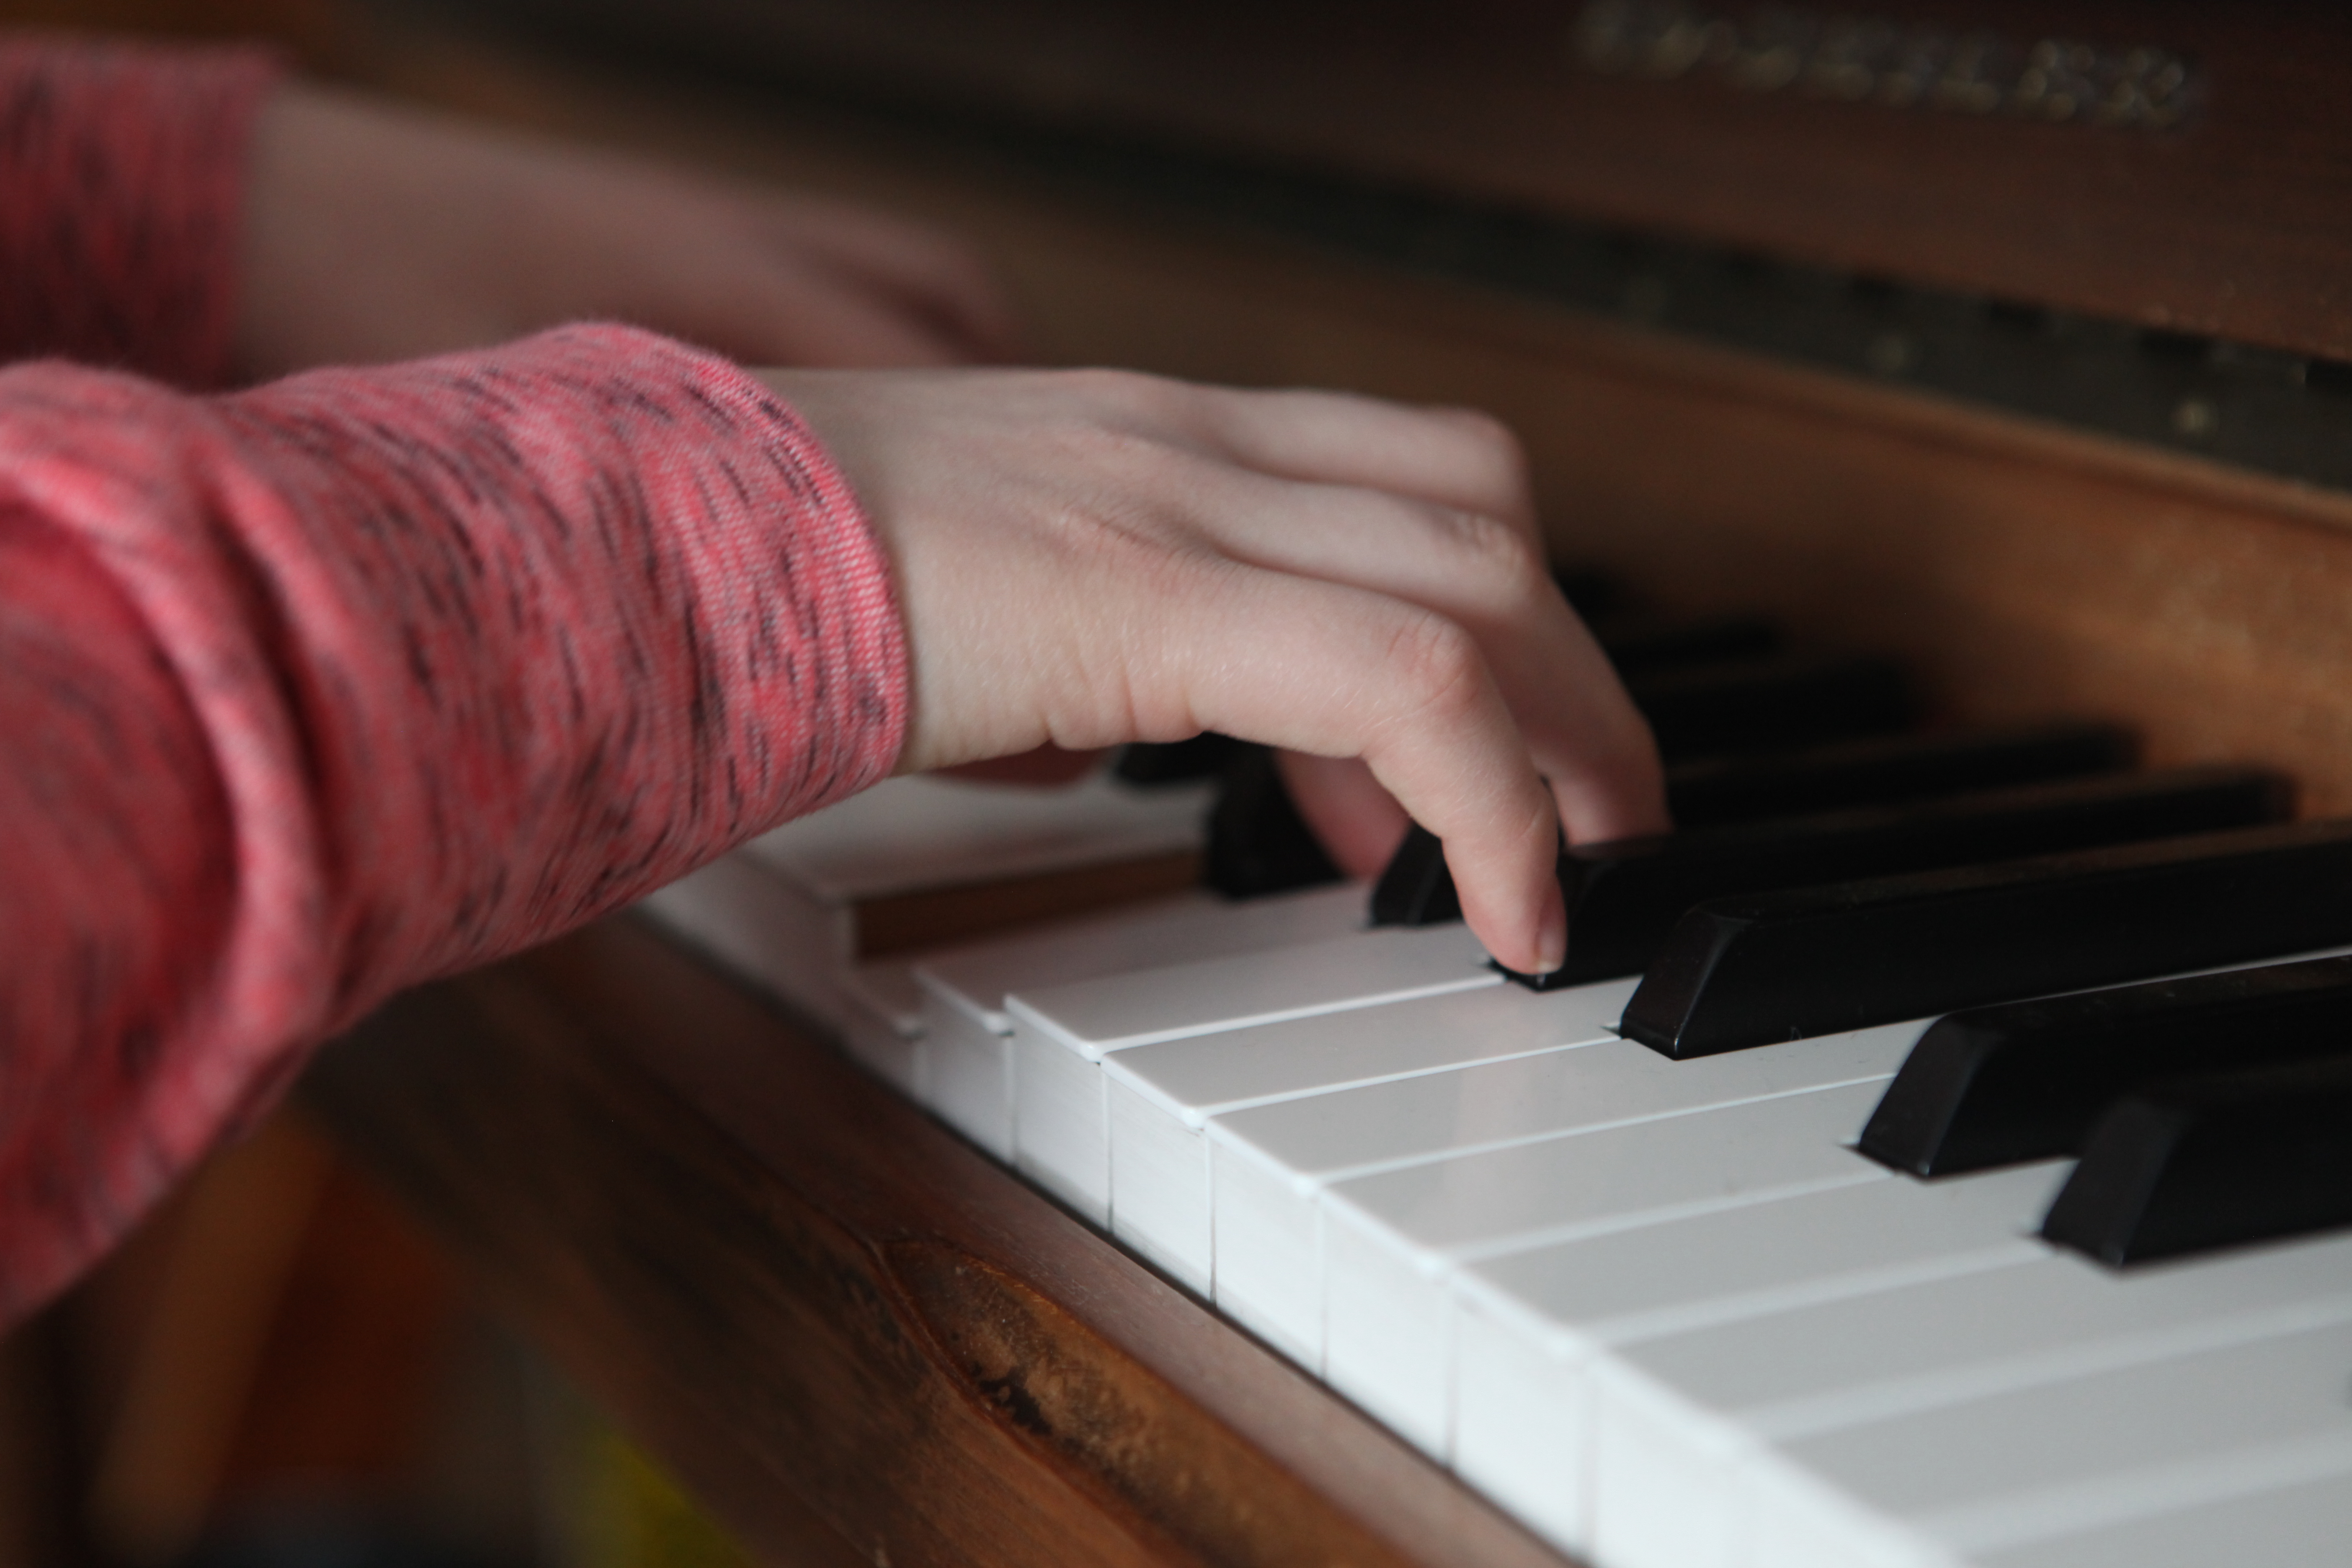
x,y
1986,1202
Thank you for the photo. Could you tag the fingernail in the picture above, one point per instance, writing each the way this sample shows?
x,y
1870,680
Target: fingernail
x,y
1551,934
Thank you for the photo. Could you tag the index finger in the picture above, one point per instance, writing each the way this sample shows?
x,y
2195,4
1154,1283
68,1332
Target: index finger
x,y
1454,457
1318,667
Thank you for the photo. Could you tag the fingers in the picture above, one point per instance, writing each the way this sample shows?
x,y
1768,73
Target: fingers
x,y
1450,456
1580,727
1082,558
1322,667
1471,550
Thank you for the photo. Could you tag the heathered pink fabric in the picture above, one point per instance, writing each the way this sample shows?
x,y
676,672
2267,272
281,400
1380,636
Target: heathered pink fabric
x,y
320,689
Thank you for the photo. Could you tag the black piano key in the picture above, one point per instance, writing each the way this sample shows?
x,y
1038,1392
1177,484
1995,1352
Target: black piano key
x,y
1994,1086
1890,770
1149,762
1259,844
2216,1160
1653,650
1762,967
1416,888
1623,897
1776,704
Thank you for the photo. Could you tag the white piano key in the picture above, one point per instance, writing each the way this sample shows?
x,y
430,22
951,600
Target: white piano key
x,y
1061,1114
925,831
1061,1123
764,928
1361,969
1719,1268
2293,1523
968,1051
1183,928
1268,1242
1684,1416
780,911
1387,1239
2049,1459
1269,1164
1203,1076
1164,1217
1818,1368
967,1077
2206,1475
883,1026
1518,1427
1162,1096
1527,1325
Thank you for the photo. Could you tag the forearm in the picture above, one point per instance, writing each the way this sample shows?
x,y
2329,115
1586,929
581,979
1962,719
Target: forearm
x,y
363,677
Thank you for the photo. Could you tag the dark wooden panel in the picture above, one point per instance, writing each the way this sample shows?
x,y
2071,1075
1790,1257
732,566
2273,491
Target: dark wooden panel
x,y
2237,223
2025,569
857,1336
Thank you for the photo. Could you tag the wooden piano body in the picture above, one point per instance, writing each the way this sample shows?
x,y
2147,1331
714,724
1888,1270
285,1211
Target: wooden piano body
x,y
860,1340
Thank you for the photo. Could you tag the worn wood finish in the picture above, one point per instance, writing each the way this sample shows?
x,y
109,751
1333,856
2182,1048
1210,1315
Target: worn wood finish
x,y
856,1337
2239,224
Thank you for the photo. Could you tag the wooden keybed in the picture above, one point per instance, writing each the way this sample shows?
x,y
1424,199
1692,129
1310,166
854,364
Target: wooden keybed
x,y
859,1339
853,1334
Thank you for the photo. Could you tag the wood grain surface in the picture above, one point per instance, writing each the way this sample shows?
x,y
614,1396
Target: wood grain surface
x,y
856,1337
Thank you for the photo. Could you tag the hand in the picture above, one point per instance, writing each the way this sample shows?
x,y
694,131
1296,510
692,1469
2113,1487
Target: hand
x,y
374,232
1086,558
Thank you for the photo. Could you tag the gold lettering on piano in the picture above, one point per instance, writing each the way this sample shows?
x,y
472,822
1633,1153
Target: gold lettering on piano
x,y
1863,59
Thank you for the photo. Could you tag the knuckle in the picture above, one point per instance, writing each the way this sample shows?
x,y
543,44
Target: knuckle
x,y
1498,544
1436,664
1506,558
1129,392
1126,471
1493,444
1495,463
1117,520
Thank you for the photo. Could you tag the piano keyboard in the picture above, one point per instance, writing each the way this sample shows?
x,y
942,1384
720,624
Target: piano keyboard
x,y
1665,1310
794,910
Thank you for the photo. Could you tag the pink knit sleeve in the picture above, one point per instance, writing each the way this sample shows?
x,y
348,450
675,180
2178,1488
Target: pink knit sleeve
x,y
319,690
121,184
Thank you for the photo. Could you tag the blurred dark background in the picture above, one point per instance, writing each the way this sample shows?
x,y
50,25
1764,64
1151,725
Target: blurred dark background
x,y
279,1370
